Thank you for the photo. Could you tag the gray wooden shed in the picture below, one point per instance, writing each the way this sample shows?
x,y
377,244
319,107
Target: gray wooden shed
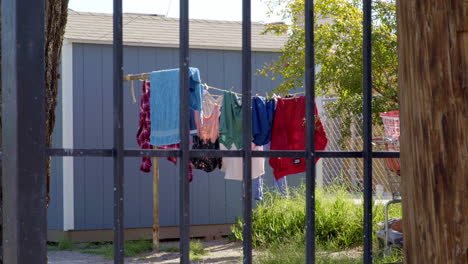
x,y
82,188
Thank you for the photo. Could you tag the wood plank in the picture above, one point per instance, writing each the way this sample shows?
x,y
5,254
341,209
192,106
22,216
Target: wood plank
x,y
155,203
433,69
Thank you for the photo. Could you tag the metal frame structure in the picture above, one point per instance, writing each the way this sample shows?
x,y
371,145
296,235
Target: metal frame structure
x,y
24,133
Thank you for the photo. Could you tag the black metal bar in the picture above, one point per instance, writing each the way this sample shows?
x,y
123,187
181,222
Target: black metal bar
x,y
24,163
310,131
184,190
338,154
118,136
151,153
367,132
247,130
381,155
80,152
212,153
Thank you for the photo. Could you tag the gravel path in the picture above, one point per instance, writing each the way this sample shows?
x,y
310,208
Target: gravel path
x,y
218,252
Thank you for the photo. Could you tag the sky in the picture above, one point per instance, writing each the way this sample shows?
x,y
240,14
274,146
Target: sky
x,y
199,9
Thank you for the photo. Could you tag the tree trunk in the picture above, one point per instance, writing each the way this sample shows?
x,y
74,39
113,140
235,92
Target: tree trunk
x,y
433,69
56,17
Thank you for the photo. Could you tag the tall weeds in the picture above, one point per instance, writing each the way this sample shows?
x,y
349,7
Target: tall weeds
x,y
338,219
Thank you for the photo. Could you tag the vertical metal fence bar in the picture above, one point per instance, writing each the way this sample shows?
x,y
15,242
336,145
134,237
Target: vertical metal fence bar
x,y
310,131
118,136
247,129
184,190
367,132
24,156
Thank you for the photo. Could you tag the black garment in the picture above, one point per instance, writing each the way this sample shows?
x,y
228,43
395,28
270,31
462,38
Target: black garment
x,y
205,163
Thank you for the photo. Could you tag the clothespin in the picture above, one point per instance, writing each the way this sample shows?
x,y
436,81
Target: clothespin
x,y
133,92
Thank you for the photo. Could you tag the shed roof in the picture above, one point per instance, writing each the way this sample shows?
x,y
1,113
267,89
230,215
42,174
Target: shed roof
x,y
161,31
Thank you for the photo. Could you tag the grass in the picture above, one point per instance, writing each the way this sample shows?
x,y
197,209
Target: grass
x,y
137,247
278,231
293,252
197,250
338,223
169,249
132,248
63,244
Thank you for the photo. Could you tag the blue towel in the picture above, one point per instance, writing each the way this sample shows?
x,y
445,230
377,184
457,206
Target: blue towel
x,y
164,103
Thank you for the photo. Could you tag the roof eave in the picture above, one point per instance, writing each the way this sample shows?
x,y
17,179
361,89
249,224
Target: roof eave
x,y
165,45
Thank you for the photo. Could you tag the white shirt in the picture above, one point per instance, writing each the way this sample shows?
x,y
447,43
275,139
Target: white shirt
x,y
232,167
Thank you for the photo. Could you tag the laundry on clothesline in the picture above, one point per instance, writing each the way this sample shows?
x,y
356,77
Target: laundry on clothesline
x,y
164,103
216,124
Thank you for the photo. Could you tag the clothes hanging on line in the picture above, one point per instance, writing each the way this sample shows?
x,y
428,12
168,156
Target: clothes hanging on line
x,y
165,100
230,124
257,185
174,159
281,185
289,133
208,125
144,126
263,112
232,167
206,164
230,138
208,133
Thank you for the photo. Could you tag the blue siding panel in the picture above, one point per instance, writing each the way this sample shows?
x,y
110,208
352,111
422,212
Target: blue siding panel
x,y
107,193
78,136
55,210
213,199
132,173
93,136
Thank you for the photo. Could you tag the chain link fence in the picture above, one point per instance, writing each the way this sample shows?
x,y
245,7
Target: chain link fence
x,y
348,172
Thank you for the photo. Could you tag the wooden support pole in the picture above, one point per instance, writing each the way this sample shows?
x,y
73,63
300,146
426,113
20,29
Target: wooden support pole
x,y
433,84
155,203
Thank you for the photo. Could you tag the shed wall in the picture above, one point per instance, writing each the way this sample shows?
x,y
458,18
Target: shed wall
x,y
213,199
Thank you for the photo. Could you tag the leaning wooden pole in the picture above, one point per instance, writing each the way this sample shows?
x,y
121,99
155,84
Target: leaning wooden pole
x,y
156,204
433,83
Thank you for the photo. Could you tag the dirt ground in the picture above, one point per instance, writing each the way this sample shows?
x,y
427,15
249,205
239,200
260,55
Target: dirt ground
x,y
218,252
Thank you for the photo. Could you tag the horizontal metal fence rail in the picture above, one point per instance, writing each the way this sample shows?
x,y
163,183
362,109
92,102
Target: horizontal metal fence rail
x,y
215,153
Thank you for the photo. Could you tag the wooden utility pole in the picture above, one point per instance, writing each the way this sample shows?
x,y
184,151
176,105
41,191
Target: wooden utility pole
x,y
433,83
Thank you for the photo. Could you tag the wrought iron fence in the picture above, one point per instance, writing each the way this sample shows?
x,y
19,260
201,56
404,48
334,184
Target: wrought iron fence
x,y
24,134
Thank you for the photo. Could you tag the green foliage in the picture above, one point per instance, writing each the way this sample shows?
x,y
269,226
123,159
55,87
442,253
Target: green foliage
x,y
338,53
52,246
275,218
339,219
136,247
197,250
132,248
65,244
293,252
169,249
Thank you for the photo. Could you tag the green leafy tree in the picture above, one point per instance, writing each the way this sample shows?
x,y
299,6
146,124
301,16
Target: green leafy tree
x,y
338,54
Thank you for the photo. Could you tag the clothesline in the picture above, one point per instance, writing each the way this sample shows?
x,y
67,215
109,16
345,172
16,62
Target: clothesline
x,y
146,76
